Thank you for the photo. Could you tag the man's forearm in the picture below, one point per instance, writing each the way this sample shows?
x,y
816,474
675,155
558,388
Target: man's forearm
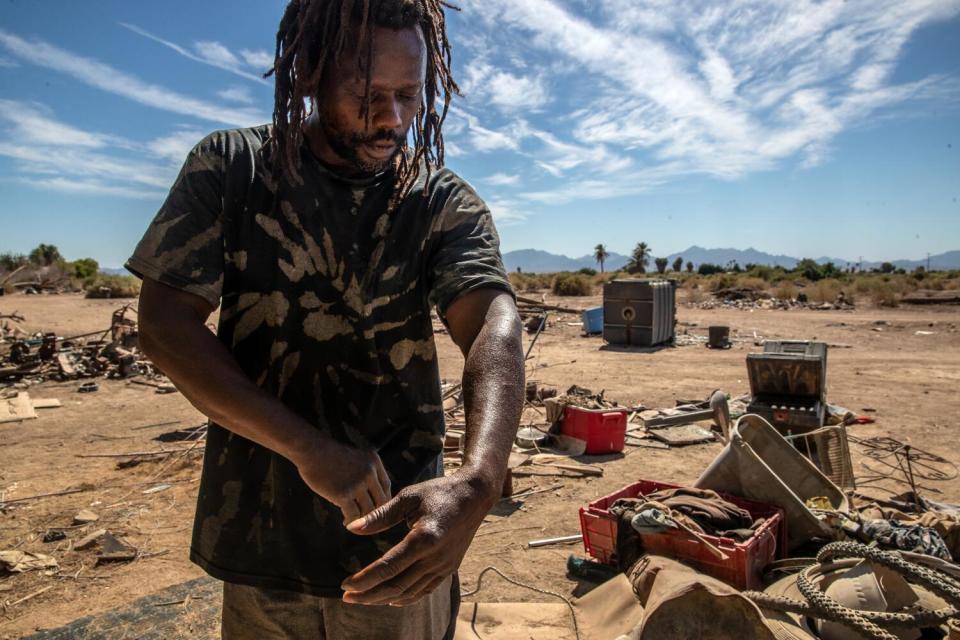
x,y
209,377
493,388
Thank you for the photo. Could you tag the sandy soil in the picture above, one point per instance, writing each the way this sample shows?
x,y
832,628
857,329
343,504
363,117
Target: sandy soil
x,y
911,380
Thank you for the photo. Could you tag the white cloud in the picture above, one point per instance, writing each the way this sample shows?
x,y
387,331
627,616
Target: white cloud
x,y
207,52
216,54
502,180
236,94
52,155
507,211
175,147
111,79
89,188
503,89
32,125
655,89
7,63
258,59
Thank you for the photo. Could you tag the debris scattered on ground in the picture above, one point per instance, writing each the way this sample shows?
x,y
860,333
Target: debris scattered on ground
x,y
17,408
17,561
112,353
85,516
113,549
756,299
89,540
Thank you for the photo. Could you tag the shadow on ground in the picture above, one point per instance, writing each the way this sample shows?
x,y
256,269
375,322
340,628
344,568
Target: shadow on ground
x,y
186,610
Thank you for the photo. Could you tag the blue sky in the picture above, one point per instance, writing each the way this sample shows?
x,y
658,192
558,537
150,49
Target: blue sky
x,y
793,126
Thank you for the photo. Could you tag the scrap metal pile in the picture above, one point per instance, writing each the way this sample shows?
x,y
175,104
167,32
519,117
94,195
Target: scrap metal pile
x,y
113,352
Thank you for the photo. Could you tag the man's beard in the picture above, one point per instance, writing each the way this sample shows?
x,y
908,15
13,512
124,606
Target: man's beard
x,y
347,146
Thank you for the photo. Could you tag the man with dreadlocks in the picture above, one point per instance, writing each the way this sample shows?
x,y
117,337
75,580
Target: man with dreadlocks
x,y
326,240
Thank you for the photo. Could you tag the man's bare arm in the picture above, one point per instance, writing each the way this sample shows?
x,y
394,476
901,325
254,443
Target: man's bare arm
x,y
444,514
174,335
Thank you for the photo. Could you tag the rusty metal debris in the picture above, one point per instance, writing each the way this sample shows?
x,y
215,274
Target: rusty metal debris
x,y
112,353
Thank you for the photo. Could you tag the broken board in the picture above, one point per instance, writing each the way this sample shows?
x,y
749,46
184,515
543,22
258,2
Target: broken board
x,y
17,408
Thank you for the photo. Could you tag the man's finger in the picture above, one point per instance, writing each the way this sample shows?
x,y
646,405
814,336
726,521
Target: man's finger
x,y
385,516
364,501
377,494
422,587
396,560
383,478
350,512
389,590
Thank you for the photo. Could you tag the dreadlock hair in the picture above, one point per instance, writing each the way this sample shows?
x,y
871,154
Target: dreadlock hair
x,y
313,33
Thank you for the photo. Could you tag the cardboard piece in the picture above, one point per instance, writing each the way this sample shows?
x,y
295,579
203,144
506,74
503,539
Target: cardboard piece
x,y
17,408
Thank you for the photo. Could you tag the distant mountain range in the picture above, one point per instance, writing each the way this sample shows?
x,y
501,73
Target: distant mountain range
x,y
536,261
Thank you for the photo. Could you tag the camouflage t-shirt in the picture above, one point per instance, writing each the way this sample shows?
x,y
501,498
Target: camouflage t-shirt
x,y
326,304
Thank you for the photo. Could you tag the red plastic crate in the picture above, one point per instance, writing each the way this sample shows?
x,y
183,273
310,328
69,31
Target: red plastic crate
x,y
746,559
604,429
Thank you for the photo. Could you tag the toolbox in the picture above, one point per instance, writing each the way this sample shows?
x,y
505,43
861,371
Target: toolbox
x,y
788,382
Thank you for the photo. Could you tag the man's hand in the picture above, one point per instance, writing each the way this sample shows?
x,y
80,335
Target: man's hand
x,y
443,516
353,479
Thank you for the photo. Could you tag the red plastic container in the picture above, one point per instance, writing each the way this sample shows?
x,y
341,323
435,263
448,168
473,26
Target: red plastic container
x,y
604,429
746,559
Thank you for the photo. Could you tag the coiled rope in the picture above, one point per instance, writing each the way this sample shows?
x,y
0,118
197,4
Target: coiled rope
x,y
869,624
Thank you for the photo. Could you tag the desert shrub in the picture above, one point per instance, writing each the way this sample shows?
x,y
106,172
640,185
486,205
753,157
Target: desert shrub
x,y
106,286
587,271
83,268
12,261
571,284
760,271
884,294
707,269
786,290
824,291
721,281
694,294
750,282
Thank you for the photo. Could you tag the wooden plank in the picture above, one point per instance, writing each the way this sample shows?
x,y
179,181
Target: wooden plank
x,y
46,403
17,408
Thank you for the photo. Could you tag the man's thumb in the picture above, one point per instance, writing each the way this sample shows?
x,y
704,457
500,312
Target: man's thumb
x,y
385,516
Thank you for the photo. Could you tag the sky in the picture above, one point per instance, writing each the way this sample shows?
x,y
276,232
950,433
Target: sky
x,y
800,127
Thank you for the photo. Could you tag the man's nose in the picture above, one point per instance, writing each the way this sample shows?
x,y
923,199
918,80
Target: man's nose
x,y
388,114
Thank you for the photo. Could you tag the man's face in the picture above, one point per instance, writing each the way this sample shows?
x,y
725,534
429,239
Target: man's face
x,y
396,85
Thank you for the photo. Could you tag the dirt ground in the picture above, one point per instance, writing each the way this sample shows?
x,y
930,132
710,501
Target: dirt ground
x,y
878,361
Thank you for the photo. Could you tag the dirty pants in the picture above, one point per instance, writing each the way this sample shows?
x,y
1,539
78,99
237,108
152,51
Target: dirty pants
x,y
252,613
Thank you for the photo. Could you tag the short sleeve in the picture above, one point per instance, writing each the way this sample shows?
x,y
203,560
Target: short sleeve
x,y
466,254
183,246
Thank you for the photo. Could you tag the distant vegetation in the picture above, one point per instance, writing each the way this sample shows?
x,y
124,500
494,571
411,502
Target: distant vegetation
x,y
45,268
883,286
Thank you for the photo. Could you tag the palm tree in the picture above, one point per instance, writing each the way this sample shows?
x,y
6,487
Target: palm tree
x,y
640,258
600,254
678,264
689,267
661,265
